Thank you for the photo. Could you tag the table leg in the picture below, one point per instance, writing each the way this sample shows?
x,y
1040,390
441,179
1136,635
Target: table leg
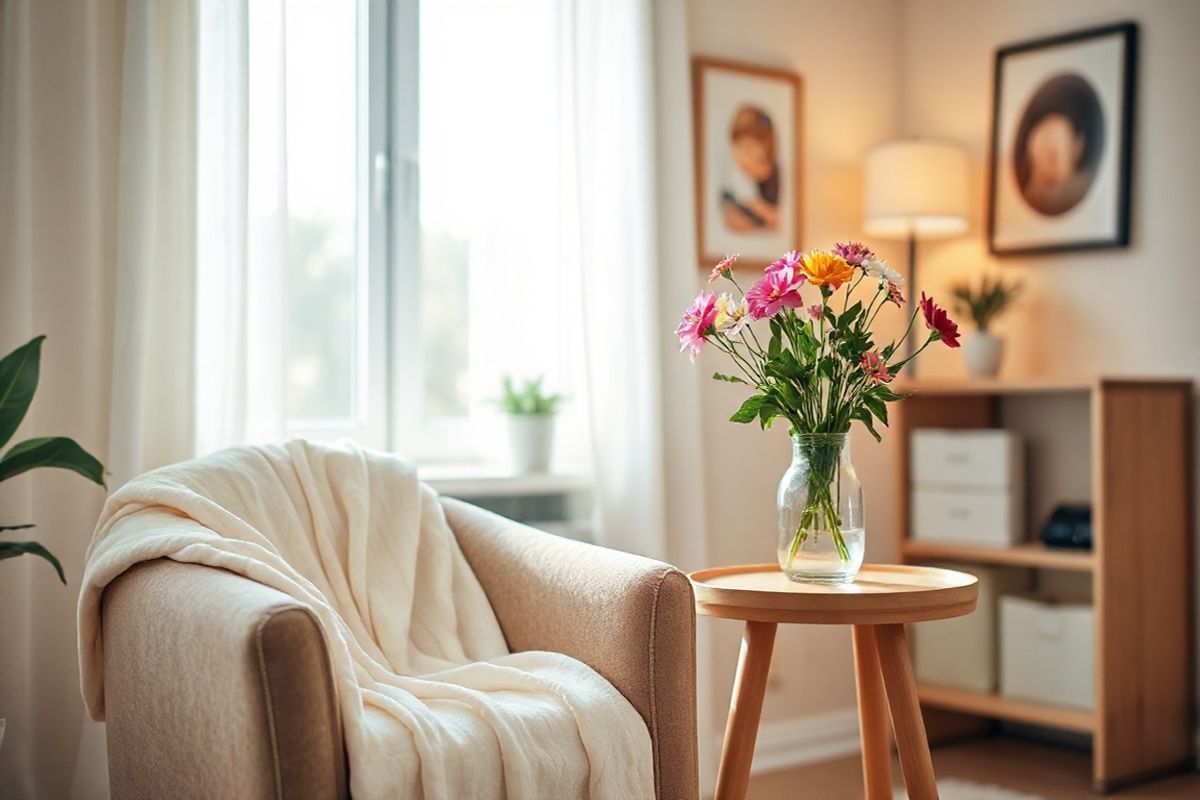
x,y
872,716
909,727
745,708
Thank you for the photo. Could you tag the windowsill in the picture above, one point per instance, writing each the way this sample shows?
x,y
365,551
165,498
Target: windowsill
x,y
466,480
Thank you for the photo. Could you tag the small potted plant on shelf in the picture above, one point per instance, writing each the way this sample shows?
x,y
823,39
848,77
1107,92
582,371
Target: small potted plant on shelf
x,y
530,411
994,295
816,365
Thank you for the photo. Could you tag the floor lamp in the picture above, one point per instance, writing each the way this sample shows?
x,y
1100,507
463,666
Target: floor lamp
x,y
915,190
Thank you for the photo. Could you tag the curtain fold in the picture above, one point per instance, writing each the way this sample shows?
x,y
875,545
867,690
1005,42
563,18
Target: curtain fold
x,y
96,143
608,236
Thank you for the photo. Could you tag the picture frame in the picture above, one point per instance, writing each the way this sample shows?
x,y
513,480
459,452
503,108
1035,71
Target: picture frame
x,y
1060,167
748,128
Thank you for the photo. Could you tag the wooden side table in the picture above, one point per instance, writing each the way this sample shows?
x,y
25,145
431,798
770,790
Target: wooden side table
x,y
878,604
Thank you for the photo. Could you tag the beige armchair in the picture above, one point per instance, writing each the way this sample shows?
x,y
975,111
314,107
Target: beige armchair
x,y
217,686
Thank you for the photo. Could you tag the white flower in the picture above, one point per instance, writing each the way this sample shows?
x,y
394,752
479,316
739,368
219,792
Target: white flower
x,y
736,317
880,269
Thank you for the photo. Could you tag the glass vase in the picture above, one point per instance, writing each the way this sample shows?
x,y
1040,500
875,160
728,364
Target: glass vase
x,y
820,505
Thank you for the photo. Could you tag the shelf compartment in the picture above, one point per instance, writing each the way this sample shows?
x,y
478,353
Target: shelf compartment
x,y
1028,554
998,707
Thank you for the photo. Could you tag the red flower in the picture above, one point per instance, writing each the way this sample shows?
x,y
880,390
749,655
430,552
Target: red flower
x,y
894,294
872,363
938,321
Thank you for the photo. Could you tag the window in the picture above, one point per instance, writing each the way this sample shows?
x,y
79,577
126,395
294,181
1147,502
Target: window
x,y
422,229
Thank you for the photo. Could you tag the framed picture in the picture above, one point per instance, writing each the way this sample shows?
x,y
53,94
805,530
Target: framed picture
x,y
1062,131
748,174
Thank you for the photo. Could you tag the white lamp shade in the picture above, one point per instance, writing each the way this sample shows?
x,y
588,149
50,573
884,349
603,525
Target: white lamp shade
x,y
915,188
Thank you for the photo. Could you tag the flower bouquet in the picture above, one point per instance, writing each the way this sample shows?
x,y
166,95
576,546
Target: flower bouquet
x,y
818,366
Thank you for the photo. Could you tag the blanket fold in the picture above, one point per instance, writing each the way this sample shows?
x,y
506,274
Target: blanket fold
x,y
433,704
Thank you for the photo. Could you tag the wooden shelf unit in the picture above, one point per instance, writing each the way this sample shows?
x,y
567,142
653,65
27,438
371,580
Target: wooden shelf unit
x,y
1140,432
998,707
1026,554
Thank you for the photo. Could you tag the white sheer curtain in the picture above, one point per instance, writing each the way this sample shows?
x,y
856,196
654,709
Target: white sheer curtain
x,y
607,163
96,165
241,223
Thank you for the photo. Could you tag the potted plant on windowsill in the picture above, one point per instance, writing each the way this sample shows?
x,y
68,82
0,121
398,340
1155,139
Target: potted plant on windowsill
x,y
18,382
531,412
983,351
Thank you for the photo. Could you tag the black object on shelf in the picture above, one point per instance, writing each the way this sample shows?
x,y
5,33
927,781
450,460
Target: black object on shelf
x,y
1069,526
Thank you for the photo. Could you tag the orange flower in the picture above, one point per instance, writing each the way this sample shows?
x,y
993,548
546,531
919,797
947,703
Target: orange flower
x,y
823,268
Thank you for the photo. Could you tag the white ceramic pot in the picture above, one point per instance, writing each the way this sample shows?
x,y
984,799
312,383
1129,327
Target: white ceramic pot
x,y
983,353
530,439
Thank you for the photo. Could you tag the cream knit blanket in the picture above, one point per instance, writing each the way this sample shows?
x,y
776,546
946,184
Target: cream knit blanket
x,y
434,705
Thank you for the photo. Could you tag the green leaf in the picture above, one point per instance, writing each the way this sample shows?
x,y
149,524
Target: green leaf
x,y
864,416
877,407
887,395
808,343
51,451
749,410
717,376
774,346
18,382
766,413
14,549
4,528
851,314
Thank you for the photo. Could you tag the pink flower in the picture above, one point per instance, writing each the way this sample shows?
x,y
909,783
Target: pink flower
x,y
854,253
938,321
723,267
773,291
697,322
791,259
894,293
872,363
814,311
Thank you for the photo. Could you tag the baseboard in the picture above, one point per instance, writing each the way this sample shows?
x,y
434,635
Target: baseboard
x,y
805,740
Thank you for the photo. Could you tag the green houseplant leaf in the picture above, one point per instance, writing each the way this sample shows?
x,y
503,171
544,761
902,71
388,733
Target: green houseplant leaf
x,y
14,549
749,409
51,451
18,381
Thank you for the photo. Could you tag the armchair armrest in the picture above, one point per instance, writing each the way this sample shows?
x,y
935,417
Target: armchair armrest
x,y
631,619
216,686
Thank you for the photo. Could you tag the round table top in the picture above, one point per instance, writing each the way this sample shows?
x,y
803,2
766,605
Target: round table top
x,y
881,594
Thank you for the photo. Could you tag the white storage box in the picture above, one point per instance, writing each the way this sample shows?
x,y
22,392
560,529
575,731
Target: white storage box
x,y
967,516
982,458
967,486
1046,652
961,653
